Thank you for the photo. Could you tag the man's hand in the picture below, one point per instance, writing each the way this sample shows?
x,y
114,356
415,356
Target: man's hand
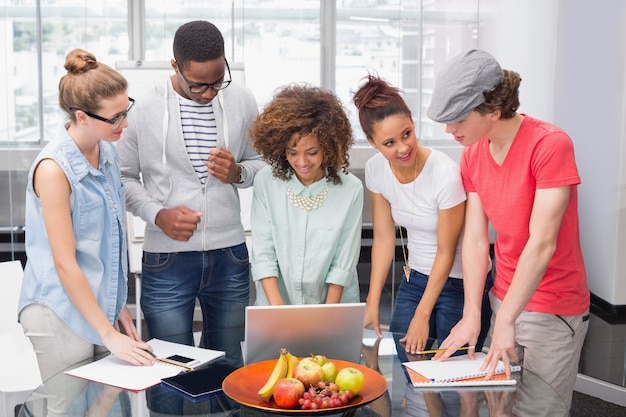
x,y
222,165
465,332
178,223
502,347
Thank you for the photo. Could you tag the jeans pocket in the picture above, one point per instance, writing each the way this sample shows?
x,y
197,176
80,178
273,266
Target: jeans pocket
x,y
456,284
153,261
238,254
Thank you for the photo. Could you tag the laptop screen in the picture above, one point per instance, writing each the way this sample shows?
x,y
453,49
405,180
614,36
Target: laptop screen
x,y
332,330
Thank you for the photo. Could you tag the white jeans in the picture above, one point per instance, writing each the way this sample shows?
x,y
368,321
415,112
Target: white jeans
x,y
551,347
57,348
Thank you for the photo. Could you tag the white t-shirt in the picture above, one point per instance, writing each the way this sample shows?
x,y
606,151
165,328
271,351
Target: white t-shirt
x,y
437,187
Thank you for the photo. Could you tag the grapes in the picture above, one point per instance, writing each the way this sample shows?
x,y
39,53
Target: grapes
x,y
324,395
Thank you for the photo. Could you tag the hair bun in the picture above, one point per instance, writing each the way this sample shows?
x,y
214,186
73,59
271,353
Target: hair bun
x,y
79,61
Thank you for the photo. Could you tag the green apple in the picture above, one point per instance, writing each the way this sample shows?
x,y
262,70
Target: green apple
x,y
321,359
308,359
330,371
350,379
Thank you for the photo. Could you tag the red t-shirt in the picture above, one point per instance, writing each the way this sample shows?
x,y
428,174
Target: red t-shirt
x,y
541,156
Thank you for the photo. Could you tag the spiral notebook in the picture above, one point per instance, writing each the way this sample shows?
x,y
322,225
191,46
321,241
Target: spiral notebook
x,y
456,371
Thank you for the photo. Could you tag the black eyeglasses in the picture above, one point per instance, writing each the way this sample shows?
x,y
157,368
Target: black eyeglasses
x,y
114,121
201,88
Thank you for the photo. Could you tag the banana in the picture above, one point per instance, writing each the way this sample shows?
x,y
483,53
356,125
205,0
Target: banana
x,y
292,361
279,371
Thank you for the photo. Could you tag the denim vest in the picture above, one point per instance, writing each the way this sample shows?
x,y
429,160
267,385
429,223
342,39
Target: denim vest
x,y
97,205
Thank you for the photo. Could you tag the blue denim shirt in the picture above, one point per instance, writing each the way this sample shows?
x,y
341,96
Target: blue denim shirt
x,y
97,205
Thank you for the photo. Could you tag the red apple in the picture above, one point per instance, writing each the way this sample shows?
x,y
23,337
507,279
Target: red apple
x,y
350,379
308,372
287,392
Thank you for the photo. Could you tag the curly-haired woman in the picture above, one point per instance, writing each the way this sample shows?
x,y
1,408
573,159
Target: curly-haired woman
x,y
306,210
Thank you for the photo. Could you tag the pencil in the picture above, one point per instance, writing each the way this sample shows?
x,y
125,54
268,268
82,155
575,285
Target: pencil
x,y
189,368
425,352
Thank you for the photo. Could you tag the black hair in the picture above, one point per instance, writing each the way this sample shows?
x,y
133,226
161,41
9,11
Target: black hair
x,y
197,41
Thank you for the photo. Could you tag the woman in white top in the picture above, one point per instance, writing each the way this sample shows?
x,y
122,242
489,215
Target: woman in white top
x,y
421,190
307,207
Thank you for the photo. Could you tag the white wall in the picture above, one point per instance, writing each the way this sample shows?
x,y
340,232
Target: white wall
x,y
571,56
522,37
590,87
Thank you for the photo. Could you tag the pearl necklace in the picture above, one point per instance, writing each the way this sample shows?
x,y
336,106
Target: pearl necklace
x,y
307,204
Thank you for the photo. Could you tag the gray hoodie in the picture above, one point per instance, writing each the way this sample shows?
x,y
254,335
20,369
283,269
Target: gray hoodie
x,y
158,174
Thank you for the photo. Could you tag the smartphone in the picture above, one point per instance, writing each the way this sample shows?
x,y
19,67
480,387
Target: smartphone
x,y
183,360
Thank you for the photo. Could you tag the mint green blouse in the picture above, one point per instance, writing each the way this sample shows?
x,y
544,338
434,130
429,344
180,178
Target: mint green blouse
x,y
306,250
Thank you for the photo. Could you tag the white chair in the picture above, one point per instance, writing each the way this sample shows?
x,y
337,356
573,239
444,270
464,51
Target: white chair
x,y
19,373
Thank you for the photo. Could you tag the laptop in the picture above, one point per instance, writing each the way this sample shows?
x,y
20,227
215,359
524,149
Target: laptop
x,y
332,330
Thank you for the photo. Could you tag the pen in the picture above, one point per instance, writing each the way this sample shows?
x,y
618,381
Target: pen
x,y
425,352
168,361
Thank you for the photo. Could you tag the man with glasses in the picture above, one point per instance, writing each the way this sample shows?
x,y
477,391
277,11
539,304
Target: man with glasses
x,y
183,159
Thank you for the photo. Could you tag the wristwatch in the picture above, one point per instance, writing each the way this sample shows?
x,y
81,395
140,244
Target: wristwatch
x,y
243,175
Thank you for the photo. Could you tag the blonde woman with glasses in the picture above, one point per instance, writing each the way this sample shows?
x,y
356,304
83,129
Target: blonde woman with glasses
x,y
73,298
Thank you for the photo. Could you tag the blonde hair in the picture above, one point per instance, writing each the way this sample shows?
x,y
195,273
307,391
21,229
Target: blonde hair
x,y
87,82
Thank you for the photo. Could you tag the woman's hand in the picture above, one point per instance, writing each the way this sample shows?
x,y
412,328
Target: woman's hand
x,y
128,324
372,318
128,349
416,335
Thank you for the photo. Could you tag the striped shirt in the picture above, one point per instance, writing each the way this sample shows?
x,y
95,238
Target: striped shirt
x,y
199,132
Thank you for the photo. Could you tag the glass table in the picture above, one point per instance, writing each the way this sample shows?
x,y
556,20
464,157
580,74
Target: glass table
x,y
530,397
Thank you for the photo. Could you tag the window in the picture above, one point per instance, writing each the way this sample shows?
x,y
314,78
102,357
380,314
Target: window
x,y
280,41
36,37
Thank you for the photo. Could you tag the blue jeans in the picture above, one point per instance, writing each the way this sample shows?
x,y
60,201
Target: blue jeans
x,y
219,279
170,285
447,312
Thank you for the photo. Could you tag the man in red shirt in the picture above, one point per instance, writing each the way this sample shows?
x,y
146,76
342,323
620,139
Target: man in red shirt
x,y
520,174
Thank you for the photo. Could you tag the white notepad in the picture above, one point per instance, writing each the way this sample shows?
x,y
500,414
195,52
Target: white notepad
x,y
455,369
114,371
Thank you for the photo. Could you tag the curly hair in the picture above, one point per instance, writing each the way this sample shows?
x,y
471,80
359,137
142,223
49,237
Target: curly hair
x,y
376,100
503,97
303,110
197,41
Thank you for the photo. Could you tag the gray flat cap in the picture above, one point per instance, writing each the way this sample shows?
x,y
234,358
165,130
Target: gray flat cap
x,y
461,84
